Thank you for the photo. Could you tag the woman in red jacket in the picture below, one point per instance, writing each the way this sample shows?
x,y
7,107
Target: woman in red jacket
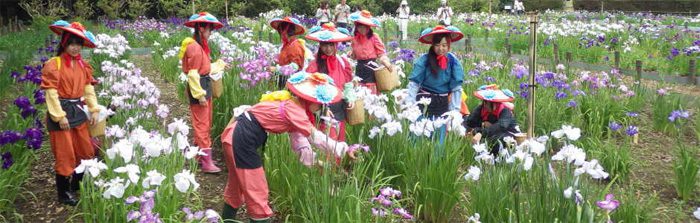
x,y
337,67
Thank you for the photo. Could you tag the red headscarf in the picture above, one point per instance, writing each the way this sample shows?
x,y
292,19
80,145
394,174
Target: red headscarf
x,y
496,108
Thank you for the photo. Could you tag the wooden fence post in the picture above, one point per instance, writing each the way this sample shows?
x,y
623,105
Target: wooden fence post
x,y
692,69
638,77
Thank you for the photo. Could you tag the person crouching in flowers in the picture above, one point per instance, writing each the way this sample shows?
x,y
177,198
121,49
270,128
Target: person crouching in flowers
x,y
293,50
367,47
494,118
437,75
67,80
337,67
278,112
196,63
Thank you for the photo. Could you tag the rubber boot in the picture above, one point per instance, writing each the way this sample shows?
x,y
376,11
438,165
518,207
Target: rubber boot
x,y
75,182
266,220
65,196
207,163
229,213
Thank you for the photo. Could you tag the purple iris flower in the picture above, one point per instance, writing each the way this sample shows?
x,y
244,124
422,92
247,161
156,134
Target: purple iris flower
x,y
614,126
632,130
7,160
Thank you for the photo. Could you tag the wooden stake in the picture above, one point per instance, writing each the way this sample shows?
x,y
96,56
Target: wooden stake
x,y
533,66
638,77
556,54
569,58
692,69
468,43
617,59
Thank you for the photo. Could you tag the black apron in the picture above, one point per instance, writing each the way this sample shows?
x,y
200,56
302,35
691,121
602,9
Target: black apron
x,y
364,72
205,83
438,103
339,110
74,114
248,136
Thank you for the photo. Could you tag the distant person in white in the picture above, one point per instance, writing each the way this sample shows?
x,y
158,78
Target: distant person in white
x,y
444,13
323,13
404,12
518,7
342,11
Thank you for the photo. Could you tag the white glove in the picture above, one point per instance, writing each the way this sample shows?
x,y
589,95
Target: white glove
x,y
322,141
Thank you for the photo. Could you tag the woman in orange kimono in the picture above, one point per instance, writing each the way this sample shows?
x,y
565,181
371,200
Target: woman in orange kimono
x,y
67,80
196,63
293,50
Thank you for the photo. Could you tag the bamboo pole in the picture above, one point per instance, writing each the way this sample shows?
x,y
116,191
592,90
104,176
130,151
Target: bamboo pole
x,y
533,66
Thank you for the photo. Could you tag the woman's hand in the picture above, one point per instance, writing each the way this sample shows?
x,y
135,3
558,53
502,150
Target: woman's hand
x,y
271,69
203,101
64,124
94,117
351,105
476,139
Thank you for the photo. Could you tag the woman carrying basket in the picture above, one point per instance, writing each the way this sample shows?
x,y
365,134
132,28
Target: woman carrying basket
x,y
67,79
367,47
196,63
278,112
337,67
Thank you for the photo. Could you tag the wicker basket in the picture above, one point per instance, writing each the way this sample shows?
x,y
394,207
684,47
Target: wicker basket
x,y
386,81
217,85
356,115
98,129
520,138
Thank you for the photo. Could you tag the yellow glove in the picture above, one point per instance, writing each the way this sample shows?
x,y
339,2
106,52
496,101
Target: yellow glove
x,y
195,88
91,98
217,66
56,113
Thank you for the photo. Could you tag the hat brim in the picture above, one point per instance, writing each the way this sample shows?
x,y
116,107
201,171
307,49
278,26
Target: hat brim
x,y
192,23
306,90
498,97
60,29
365,21
428,38
328,37
298,29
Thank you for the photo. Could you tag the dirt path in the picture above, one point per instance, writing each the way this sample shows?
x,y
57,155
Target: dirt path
x,y
211,185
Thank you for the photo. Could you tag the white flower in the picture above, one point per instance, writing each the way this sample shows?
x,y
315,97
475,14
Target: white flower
x,y
153,178
115,131
509,140
527,165
568,192
571,133
486,157
132,171
474,218
192,152
479,148
123,148
211,214
115,188
424,101
183,180
91,166
473,173
571,154
178,126
592,168
424,127
696,213
181,141
163,111
374,131
532,146
392,127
